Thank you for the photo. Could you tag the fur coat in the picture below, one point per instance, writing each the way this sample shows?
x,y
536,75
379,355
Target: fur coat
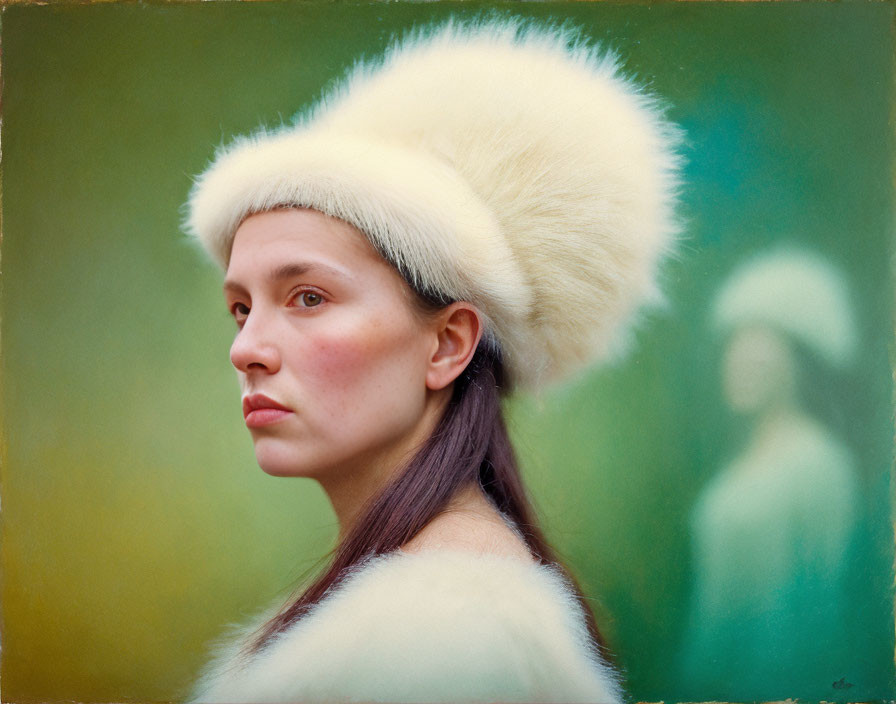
x,y
431,626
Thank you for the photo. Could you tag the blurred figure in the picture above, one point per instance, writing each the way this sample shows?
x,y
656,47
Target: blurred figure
x,y
771,530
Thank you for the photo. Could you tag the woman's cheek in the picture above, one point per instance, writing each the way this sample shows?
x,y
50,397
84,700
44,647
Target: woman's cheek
x,y
365,366
343,357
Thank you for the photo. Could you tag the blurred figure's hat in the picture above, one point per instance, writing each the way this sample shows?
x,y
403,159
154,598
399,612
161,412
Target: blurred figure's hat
x,y
796,292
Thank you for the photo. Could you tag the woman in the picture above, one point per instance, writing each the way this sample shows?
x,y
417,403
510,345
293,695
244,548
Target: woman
x,y
772,530
483,210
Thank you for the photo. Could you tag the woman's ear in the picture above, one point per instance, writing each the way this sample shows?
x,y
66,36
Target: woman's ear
x,y
459,328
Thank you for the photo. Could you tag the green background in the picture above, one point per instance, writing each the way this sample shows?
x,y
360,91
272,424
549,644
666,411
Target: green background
x,y
135,523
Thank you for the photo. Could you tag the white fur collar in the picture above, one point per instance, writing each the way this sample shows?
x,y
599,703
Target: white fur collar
x,y
428,627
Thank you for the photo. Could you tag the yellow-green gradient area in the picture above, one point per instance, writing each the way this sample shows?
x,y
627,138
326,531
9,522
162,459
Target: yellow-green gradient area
x,y
135,522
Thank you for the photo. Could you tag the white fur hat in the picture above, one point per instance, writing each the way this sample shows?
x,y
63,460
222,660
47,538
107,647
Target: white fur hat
x,y
497,163
796,292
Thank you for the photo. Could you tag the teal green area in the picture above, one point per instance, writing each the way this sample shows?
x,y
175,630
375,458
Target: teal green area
x,y
136,524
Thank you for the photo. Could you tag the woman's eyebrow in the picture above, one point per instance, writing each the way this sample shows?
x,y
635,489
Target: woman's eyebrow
x,y
290,270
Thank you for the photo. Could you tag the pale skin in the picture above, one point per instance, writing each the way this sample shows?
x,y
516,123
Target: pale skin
x,y
342,376
759,376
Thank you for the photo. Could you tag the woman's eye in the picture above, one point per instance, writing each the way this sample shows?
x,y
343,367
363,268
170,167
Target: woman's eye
x,y
309,299
240,312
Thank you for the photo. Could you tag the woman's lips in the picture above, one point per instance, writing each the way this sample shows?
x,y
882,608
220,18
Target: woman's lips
x,y
265,416
260,410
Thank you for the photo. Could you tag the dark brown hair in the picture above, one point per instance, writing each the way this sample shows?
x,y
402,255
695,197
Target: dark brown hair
x,y
470,445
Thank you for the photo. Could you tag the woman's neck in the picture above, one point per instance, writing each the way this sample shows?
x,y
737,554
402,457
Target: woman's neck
x,y
471,523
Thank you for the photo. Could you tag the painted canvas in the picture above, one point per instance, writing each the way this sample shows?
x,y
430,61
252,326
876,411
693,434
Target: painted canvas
x,y
722,492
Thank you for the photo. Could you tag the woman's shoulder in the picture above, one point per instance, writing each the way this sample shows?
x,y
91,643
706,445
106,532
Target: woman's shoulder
x,y
436,625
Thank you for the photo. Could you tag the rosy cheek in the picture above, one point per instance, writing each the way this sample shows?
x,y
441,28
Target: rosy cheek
x,y
360,364
339,359
342,357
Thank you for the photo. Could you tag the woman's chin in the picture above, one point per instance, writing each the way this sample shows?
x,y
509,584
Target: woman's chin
x,y
281,463
276,470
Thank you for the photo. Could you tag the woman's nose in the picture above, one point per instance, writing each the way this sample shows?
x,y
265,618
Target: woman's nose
x,y
254,348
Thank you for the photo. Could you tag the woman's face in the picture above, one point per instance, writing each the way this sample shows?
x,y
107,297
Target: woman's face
x,y
758,370
330,352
